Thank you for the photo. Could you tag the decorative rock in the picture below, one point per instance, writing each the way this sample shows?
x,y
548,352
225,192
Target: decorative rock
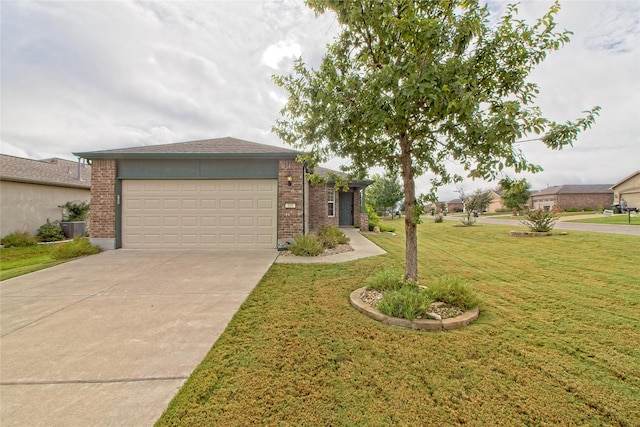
x,y
433,316
376,229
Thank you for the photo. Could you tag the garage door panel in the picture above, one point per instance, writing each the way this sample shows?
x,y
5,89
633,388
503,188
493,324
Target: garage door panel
x,y
199,213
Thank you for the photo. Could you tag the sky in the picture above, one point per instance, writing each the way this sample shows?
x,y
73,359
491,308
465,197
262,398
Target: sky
x,y
95,75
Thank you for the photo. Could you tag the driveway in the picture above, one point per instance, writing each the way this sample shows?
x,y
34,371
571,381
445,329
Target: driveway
x,y
109,339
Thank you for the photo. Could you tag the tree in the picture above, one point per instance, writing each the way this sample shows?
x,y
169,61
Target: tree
x,y
415,85
385,192
516,194
478,201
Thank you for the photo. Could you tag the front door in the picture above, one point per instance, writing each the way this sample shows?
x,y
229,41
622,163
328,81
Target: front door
x,y
346,209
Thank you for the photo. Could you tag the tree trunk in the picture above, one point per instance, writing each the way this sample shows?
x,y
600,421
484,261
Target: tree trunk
x,y
411,244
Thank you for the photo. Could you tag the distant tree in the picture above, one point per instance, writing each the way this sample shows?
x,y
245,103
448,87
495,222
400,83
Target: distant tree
x,y
478,201
412,86
385,192
516,194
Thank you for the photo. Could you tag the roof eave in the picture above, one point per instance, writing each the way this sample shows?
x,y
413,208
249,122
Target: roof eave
x,y
85,185
118,156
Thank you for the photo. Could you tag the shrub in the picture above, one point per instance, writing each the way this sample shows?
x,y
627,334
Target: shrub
x,y
76,211
18,240
438,218
587,209
306,245
386,228
540,220
386,280
50,232
406,302
330,236
76,248
374,219
455,292
572,210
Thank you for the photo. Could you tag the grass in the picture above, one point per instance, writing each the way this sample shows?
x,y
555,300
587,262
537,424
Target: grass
x,y
15,262
557,341
614,219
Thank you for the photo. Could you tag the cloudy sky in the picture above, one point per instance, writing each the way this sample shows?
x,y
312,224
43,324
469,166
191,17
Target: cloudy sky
x,y
95,75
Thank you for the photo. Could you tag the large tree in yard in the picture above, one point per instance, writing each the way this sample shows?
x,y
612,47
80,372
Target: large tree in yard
x,y
413,86
385,192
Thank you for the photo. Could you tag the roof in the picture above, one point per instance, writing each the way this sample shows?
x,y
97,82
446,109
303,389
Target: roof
x,y
576,189
58,172
207,148
625,179
455,202
325,172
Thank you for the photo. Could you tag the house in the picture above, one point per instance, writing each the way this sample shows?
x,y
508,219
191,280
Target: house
x,y
628,190
563,197
214,193
455,205
31,191
497,203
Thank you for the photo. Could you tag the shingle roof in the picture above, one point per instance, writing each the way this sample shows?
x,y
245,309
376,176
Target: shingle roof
x,y
58,172
576,189
218,147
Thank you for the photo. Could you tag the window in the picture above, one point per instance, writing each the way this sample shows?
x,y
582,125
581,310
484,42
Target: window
x,y
331,202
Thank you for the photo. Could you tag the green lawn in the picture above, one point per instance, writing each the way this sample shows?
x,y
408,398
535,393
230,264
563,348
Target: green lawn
x,y
614,219
557,341
18,261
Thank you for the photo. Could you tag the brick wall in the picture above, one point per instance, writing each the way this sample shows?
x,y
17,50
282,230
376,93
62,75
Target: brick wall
x,y
103,199
318,208
290,220
580,201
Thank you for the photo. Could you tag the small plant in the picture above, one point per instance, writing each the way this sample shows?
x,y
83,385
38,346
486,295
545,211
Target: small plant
x,y
587,209
540,220
438,218
50,232
572,210
408,302
331,236
76,211
78,247
18,240
386,280
306,245
455,292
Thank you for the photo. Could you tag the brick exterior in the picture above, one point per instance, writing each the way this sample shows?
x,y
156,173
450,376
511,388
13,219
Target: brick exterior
x,y
290,220
567,201
318,210
103,199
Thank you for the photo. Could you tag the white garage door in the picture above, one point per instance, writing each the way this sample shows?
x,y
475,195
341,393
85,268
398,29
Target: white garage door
x,y
199,213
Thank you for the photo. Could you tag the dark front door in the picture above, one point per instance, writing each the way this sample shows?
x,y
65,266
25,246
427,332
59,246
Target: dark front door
x,y
346,209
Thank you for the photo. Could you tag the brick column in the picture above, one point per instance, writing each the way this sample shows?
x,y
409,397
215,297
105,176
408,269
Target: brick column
x,y
103,203
290,202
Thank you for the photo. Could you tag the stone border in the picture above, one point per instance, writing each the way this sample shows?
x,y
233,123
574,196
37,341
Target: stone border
x,y
419,324
516,233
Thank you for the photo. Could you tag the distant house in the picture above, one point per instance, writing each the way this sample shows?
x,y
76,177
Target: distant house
x,y
32,190
496,201
563,197
455,205
628,190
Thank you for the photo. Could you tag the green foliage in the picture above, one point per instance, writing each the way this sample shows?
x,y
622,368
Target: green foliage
x,y
76,211
405,302
572,210
18,240
50,232
386,280
78,247
330,236
454,291
587,209
385,192
516,194
540,220
306,245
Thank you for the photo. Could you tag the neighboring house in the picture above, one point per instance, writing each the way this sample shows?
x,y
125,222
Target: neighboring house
x,y
222,192
563,197
628,190
455,205
32,190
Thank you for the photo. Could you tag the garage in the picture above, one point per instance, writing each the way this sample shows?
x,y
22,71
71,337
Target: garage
x,y
199,213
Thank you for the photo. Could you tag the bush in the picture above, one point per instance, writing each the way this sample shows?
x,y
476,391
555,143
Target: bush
x,y
18,240
50,232
306,245
386,280
374,219
455,292
587,209
572,210
540,220
386,228
406,302
76,211
438,217
76,248
331,236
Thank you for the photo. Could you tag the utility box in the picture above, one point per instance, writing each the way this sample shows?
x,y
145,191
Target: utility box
x,y
72,229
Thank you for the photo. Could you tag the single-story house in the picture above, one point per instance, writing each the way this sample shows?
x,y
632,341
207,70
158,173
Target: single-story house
x,y
497,202
455,205
31,191
628,190
563,197
214,193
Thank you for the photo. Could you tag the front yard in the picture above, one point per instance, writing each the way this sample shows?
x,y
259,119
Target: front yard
x,y
557,341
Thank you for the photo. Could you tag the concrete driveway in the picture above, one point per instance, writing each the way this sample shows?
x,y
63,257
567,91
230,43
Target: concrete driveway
x,y
109,339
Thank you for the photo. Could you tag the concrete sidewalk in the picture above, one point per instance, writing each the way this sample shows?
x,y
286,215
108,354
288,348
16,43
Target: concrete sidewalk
x,y
109,339
362,248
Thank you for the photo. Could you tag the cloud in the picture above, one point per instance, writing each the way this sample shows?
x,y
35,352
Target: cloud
x,y
279,51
